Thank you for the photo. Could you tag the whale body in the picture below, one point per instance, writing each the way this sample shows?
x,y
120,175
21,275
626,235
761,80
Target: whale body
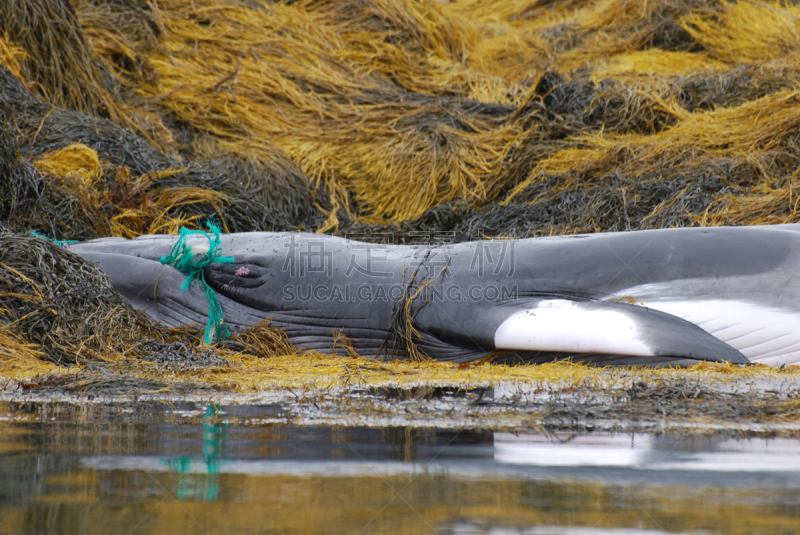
x,y
642,297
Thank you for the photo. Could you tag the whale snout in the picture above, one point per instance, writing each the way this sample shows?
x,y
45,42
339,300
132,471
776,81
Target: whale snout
x,y
153,288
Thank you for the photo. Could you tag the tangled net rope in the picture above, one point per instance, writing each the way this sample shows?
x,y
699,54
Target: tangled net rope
x,y
183,257
60,243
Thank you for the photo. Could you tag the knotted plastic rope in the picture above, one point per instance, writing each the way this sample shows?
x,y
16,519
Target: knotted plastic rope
x,y
60,243
184,258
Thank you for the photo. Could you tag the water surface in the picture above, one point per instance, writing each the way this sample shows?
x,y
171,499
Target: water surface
x,y
197,468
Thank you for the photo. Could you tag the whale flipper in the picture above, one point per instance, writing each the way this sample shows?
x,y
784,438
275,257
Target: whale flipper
x,y
613,328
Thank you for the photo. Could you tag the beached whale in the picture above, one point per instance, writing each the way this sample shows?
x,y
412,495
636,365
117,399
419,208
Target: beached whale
x,y
657,296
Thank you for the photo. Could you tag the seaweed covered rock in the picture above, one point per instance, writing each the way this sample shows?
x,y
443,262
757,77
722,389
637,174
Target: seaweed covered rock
x,y
28,201
65,306
138,188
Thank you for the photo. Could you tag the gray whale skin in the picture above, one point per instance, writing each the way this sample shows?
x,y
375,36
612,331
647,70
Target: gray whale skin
x,y
644,297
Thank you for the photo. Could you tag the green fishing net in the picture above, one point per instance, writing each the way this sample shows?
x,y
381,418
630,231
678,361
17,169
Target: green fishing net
x,y
60,243
184,258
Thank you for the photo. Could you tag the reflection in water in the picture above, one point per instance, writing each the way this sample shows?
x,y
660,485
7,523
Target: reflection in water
x,y
183,468
203,488
648,452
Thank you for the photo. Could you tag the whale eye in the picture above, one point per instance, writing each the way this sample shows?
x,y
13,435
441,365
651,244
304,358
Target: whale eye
x,y
236,275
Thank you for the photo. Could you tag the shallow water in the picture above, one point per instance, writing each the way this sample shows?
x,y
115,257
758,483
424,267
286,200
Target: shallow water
x,y
179,467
